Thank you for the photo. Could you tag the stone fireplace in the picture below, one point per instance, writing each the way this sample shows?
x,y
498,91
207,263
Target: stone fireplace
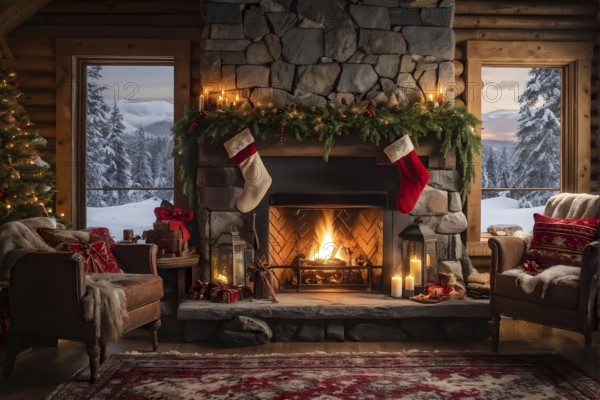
x,y
278,52
329,225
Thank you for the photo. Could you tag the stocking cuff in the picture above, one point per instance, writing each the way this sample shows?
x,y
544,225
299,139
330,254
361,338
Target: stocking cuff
x,y
399,148
238,142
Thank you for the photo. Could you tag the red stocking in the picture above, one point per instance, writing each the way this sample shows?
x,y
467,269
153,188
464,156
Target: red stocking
x,y
412,172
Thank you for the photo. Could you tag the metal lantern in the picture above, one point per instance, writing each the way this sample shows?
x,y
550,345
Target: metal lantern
x,y
419,257
228,266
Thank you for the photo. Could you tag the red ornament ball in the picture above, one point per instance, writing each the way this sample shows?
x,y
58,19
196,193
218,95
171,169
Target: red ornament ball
x,y
1,194
15,84
22,126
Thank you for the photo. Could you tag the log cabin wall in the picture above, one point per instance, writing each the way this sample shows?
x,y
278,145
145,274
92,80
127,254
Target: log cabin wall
x,y
533,20
32,44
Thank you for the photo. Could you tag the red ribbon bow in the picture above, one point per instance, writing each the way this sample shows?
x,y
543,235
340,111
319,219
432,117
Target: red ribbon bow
x,y
531,268
176,218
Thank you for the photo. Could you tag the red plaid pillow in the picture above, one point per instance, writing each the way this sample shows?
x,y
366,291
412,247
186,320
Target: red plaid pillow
x,y
96,256
561,241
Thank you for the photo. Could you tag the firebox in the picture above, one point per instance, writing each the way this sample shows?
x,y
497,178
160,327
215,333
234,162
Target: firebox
x,y
327,242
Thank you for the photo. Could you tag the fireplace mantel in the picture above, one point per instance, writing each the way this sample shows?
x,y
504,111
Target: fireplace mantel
x,y
344,147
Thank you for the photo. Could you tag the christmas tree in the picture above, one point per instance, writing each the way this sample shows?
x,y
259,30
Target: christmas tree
x,y
26,182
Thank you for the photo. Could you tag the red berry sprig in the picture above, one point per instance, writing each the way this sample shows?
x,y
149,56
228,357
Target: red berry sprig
x,y
281,132
197,118
370,112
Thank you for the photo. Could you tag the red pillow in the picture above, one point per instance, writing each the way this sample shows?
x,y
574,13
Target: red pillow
x,y
62,239
561,241
97,257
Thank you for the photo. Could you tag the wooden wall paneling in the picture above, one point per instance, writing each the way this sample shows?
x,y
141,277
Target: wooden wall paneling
x,y
558,22
523,8
108,31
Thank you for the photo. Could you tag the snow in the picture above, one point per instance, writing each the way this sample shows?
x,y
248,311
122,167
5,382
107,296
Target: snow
x,y
137,216
504,210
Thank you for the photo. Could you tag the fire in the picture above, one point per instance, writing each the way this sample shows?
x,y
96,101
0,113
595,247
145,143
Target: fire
x,y
326,247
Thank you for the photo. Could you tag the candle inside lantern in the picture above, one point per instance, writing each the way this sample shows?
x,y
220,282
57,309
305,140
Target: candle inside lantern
x,y
222,279
415,269
410,283
396,286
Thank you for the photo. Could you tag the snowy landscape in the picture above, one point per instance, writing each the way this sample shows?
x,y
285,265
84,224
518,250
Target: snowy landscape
x,y
521,149
129,156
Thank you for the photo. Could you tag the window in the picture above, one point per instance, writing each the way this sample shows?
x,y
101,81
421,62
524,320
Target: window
x,y
573,60
520,159
72,56
129,162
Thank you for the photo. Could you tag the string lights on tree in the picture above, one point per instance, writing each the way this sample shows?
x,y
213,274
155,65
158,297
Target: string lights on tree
x,y
25,179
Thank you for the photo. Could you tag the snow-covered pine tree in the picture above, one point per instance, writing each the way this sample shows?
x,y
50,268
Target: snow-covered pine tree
x,y
117,160
504,169
97,112
141,170
536,161
25,179
490,166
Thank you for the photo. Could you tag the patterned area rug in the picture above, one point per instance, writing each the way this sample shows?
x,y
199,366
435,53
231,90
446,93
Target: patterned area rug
x,y
335,376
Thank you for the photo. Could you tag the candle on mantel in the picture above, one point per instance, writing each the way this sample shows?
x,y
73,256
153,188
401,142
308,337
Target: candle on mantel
x,y
201,103
440,96
410,283
237,100
415,269
396,286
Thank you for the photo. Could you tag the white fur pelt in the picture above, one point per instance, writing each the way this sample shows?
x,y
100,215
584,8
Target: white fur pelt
x,y
22,235
573,206
556,274
105,304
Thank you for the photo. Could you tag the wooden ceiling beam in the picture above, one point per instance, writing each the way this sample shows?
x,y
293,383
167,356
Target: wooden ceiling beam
x,y
13,16
18,12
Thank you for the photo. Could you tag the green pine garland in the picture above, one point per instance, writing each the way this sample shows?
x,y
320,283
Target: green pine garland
x,y
371,123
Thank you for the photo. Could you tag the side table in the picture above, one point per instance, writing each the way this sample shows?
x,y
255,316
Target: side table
x,y
180,264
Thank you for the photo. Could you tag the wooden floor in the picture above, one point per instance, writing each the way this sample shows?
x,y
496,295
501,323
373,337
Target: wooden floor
x,y
38,371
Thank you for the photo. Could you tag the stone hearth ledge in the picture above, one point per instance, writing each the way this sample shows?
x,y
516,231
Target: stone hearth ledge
x,y
308,305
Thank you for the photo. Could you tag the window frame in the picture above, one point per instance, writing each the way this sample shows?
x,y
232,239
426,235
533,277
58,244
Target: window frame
x,y
574,58
70,143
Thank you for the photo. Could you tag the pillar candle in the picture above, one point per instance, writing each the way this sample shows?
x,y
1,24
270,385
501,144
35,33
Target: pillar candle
x,y
410,283
201,103
396,286
415,270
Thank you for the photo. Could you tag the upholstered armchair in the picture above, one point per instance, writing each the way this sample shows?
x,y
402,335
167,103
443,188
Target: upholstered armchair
x,y
47,292
571,307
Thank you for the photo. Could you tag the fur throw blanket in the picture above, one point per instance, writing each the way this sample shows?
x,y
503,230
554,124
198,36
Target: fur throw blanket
x,y
573,206
104,301
22,235
105,304
556,274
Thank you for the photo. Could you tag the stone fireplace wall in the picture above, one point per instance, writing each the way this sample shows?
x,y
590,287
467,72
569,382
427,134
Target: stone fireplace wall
x,y
315,51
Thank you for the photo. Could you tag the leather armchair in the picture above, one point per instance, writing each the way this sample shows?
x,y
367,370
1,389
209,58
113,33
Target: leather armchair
x,y
46,292
565,307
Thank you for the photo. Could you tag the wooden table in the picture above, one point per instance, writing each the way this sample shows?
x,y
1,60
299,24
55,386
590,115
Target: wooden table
x,y
180,264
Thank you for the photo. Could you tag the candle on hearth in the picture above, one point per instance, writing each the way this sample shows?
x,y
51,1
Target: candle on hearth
x,y
396,286
410,283
415,269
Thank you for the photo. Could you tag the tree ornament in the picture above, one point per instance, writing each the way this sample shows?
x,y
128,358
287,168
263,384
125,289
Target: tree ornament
x,y
15,84
281,132
9,146
22,126
15,175
1,194
10,119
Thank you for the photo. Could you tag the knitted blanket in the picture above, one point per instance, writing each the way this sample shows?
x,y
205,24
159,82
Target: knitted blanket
x,y
573,206
556,274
